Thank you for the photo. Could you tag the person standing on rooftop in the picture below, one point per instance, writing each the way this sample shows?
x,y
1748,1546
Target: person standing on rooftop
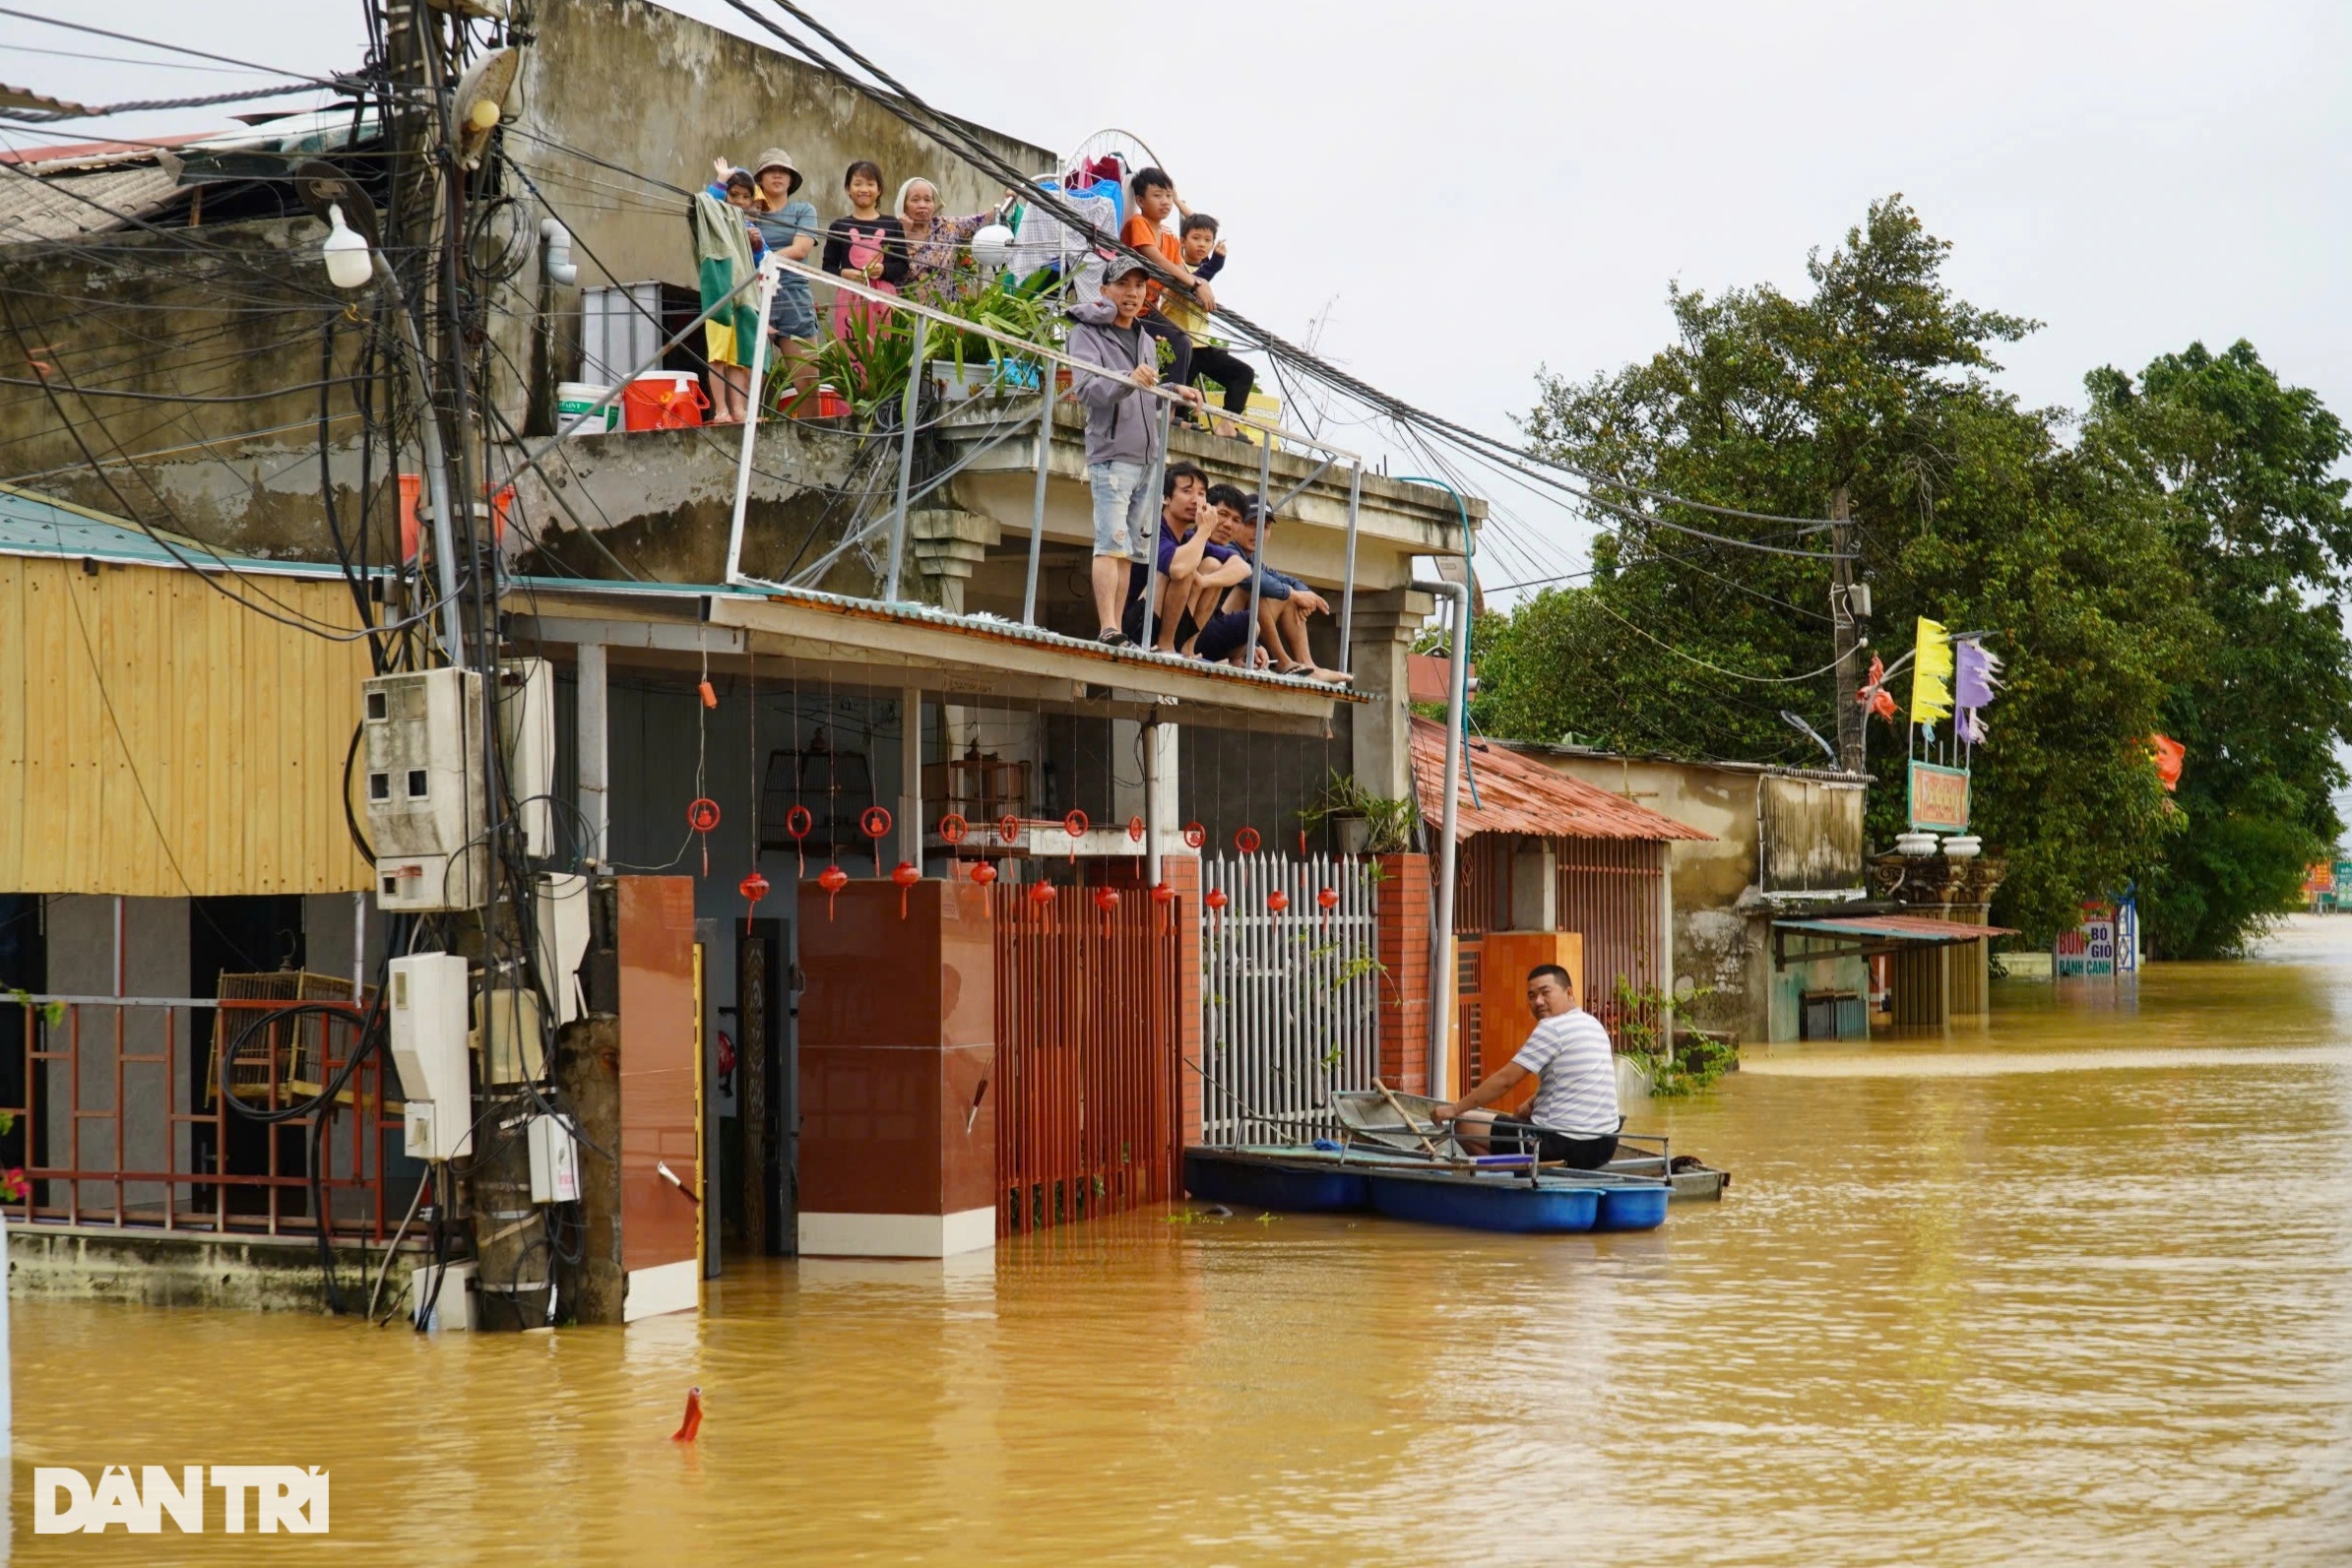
x,y
868,246
1121,439
789,224
938,270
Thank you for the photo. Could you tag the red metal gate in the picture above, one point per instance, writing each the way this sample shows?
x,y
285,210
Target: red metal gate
x,y
1087,1092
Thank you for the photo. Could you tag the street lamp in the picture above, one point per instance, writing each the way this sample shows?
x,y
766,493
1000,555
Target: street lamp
x,y
352,261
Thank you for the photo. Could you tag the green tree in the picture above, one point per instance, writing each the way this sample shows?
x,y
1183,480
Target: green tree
x,y
1969,509
2259,519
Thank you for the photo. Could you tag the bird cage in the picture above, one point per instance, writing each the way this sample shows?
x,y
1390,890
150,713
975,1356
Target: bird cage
x,y
288,1055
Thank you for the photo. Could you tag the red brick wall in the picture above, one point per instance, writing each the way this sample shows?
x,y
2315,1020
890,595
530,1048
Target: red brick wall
x,y
1406,913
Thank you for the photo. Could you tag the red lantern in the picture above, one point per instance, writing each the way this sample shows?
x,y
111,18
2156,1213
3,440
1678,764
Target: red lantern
x,y
1075,825
1215,901
797,822
1041,893
1196,835
1247,840
1278,901
1008,831
754,888
702,816
953,827
1328,897
832,879
1135,829
1163,895
984,872
906,875
709,697
874,823
1106,899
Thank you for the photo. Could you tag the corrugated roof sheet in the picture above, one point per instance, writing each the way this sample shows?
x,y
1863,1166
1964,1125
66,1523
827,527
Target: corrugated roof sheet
x,y
70,206
1515,795
1903,927
37,525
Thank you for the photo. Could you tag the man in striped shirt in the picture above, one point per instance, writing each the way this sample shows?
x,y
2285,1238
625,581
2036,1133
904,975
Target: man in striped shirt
x,y
1574,1119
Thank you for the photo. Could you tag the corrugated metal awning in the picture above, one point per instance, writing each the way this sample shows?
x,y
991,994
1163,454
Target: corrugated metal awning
x,y
1517,796
1893,927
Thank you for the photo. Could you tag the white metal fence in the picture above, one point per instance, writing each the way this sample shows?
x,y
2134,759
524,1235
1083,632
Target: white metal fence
x,y
1289,999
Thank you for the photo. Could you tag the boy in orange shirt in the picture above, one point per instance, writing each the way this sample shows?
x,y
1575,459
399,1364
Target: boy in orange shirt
x,y
1155,198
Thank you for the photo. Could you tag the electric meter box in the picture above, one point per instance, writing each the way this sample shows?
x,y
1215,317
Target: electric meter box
x,y
527,727
429,1019
427,790
554,1146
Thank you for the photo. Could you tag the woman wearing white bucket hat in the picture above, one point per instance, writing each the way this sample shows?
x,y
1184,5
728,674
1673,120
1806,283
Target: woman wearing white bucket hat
x,y
789,227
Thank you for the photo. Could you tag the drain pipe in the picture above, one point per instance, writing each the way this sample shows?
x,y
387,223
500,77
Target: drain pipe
x,y
1457,702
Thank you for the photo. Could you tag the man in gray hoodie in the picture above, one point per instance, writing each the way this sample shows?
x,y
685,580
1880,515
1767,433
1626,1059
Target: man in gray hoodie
x,y
1120,426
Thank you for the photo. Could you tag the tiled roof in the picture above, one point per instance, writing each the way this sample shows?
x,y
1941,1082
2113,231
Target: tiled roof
x,y
70,206
1515,795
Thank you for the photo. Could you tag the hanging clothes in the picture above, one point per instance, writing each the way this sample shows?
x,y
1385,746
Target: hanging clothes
x,y
722,260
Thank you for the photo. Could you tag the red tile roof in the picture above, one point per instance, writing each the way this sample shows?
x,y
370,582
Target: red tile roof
x,y
1517,796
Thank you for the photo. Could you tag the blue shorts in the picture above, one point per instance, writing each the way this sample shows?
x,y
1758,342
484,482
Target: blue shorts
x,y
1123,512
792,316
1224,636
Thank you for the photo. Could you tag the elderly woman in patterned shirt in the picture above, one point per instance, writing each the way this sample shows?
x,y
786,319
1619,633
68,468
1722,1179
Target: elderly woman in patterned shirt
x,y
936,246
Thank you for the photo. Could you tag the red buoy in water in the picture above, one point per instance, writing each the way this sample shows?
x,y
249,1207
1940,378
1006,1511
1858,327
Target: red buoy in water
x,y
694,1422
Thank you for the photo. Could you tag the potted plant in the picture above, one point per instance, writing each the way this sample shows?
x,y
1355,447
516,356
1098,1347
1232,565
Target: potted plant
x,y
1361,823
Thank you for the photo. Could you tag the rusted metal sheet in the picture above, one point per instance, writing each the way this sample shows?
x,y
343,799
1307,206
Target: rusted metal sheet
x,y
1809,836
1517,796
1086,1091
1610,892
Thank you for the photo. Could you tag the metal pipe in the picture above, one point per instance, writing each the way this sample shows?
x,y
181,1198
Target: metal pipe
x,y
1441,978
589,700
910,763
1037,502
1155,477
1347,581
768,280
1257,547
436,467
1151,799
905,462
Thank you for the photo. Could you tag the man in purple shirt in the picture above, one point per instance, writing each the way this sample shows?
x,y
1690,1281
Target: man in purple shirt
x,y
1191,569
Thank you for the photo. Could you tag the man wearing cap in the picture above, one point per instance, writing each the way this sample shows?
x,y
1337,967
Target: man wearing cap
x,y
789,227
1121,432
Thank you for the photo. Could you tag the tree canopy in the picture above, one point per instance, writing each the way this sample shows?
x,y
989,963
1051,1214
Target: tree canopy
x,y
2111,558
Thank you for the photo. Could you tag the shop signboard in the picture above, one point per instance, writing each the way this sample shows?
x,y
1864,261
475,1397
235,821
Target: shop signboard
x,y
1939,798
2088,952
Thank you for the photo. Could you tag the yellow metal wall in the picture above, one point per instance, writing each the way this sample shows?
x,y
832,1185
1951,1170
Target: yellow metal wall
x,y
144,680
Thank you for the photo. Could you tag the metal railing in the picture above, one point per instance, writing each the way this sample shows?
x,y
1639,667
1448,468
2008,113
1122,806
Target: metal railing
x,y
1290,997
1047,359
132,1063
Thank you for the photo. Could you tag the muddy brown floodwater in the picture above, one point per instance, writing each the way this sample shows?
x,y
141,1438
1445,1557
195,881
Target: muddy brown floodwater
x,y
2074,1287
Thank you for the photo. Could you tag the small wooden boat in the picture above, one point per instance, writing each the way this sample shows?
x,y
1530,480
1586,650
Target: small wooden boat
x,y
1371,1117
1506,1193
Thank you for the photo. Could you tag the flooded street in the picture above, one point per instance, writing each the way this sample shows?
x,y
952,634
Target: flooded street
x,y
2072,1287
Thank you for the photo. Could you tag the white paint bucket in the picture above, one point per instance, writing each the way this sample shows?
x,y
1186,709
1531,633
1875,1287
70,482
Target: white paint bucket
x,y
573,399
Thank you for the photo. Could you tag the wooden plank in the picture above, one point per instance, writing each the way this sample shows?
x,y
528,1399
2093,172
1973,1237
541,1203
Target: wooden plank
x,y
13,782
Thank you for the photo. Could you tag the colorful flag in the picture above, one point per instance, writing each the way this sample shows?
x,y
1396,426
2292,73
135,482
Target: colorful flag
x,y
2170,754
1976,676
1931,670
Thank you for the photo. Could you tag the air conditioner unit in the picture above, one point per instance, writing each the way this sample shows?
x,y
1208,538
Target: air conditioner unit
x,y
427,790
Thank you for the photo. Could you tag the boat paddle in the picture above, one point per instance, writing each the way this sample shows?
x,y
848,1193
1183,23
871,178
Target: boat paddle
x,y
1406,1117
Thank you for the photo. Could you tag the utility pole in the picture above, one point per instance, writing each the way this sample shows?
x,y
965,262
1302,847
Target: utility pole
x,y
1848,609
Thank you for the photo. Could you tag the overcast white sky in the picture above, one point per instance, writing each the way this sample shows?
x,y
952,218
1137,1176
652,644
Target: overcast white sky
x,y
1473,190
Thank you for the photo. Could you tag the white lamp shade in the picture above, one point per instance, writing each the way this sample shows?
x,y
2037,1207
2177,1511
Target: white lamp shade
x,y
990,246
348,262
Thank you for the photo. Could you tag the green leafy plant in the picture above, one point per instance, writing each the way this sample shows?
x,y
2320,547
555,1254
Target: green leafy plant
x,y
1389,821
1695,1058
